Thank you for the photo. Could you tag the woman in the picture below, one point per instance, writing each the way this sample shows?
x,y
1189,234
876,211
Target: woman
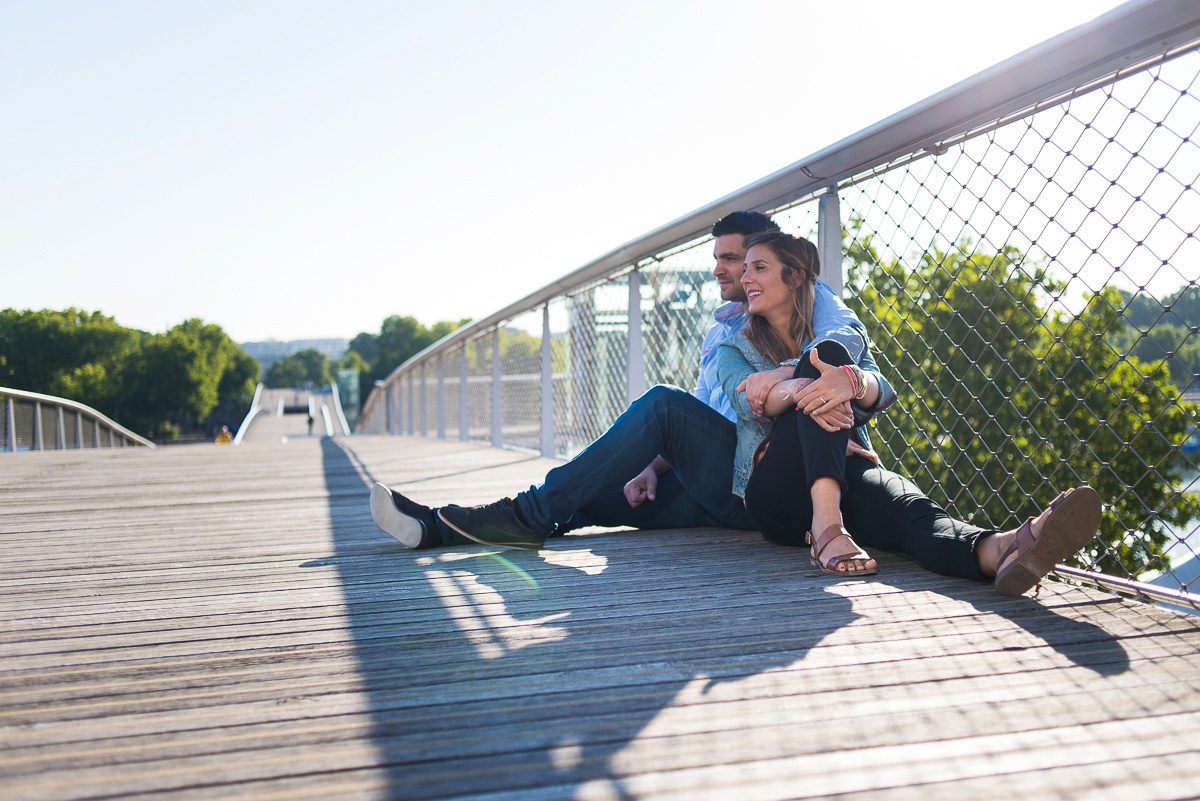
x,y
804,464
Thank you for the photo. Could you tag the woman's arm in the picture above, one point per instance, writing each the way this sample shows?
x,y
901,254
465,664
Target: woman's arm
x,y
733,369
862,392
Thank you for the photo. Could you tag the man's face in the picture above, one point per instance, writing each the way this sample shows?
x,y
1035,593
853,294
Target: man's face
x,y
730,253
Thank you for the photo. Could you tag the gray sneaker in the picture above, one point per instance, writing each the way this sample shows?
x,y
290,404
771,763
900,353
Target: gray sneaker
x,y
492,524
410,523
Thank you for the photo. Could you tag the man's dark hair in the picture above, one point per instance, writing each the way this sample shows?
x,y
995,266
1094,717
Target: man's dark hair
x,y
744,223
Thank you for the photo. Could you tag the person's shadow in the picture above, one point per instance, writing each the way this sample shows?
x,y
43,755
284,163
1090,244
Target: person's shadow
x,y
490,671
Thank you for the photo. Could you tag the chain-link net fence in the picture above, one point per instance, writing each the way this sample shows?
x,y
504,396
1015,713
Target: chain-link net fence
x,y
1033,291
1031,286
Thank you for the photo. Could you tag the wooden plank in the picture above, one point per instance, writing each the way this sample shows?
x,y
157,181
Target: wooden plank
x,y
209,622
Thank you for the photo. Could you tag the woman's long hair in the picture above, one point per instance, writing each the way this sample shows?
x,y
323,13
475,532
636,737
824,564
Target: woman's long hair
x,y
801,266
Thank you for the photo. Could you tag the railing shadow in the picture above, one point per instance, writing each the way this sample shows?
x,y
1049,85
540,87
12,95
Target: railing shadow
x,y
487,672
1072,631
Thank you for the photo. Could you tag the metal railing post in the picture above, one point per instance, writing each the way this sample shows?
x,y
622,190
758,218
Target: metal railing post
x,y
497,399
389,412
464,423
410,427
11,424
424,427
39,442
441,396
829,239
635,381
61,429
548,433
78,429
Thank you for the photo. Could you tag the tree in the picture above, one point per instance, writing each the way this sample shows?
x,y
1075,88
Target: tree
x,y
365,346
173,385
160,383
306,366
71,352
1006,402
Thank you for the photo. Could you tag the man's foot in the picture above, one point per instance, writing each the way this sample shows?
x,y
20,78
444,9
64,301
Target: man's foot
x,y
492,524
410,523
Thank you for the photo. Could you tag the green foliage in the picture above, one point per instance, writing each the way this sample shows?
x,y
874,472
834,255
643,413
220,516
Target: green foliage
x,y
155,384
306,366
1006,401
353,361
56,352
1166,330
399,339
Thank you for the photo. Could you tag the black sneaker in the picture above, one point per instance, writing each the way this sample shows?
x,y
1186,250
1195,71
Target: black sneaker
x,y
410,523
493,524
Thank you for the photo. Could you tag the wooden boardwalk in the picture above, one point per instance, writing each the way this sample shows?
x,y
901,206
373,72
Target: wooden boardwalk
x,y
212,622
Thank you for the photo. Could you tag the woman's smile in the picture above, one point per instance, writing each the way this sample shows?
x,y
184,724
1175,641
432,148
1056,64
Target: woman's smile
x,y
767,292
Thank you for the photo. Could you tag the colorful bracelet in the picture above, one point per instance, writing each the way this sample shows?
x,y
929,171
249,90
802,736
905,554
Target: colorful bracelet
x,y
858,381
862,383
854,382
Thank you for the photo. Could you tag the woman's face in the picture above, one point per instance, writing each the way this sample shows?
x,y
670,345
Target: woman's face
x,y
767,293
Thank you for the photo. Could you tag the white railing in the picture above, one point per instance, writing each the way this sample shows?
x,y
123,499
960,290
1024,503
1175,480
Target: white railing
x,y
34,422
1022,246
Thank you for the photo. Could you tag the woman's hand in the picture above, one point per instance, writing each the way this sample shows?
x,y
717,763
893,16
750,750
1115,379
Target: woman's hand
x,y
827,399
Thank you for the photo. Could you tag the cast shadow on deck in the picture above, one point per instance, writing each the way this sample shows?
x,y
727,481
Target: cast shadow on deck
x,y
491,671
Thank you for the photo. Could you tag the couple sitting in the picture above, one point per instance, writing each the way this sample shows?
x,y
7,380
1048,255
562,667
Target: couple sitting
x,y
773,440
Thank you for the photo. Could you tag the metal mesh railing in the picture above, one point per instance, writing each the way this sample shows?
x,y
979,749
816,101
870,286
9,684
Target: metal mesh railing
x,y
33,422
1028,271
1031,288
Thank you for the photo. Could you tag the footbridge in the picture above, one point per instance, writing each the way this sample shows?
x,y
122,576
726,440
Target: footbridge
x,y
220,621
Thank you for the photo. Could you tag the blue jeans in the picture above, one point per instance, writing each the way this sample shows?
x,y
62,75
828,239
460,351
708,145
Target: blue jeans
x,y
694,439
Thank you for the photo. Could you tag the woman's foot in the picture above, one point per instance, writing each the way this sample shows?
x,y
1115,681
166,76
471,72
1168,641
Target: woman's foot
x,y
1020,558
836,554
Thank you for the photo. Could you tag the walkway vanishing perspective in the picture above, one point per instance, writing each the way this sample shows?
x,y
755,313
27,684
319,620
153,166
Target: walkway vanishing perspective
x,y
211,622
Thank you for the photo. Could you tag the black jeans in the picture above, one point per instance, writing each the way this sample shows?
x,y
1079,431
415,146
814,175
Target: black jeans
x,y
798,453
880,508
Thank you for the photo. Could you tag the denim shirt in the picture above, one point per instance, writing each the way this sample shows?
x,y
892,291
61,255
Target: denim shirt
x,y
736,359
832,319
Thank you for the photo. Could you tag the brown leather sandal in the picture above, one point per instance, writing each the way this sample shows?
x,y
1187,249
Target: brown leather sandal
x,y
1073,520
849,551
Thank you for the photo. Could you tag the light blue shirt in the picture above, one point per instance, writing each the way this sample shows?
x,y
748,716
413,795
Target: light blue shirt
x,y
832,319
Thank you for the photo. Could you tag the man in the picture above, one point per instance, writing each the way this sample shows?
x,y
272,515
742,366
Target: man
x,y
685,442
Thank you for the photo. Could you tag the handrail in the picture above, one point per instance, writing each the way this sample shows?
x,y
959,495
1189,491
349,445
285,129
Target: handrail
x,y
1070,162
337,405
80,409
1118,39
254,409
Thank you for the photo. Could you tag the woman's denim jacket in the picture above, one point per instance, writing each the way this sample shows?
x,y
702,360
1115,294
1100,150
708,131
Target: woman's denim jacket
x,y
736,359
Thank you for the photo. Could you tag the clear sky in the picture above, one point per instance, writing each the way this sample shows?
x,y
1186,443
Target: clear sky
x,y
294,169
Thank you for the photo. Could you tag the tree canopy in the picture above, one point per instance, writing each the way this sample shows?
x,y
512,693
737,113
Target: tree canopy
x,y
155,384
1008,400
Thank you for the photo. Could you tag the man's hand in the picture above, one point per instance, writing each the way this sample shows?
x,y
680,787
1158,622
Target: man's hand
x,y
854,449
757,387
642,487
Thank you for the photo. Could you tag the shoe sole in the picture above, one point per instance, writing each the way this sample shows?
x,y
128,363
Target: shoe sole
x,y
1070,526
525,546
406,530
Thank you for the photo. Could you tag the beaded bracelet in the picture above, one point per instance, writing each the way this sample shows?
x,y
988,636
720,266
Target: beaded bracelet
x,y
858,381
